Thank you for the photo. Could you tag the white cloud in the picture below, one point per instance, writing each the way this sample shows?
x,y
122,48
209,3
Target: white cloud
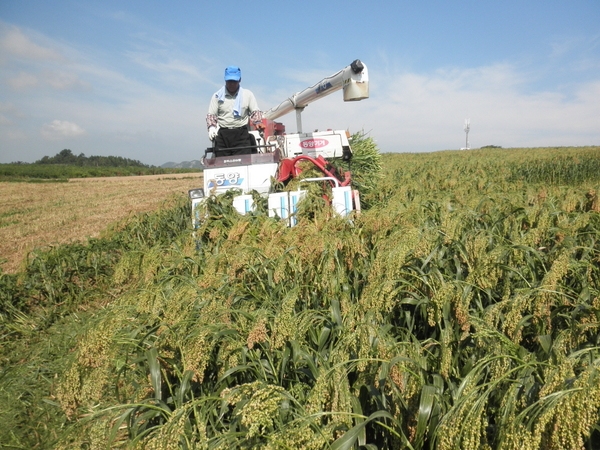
x,y
65,81
15,134
10,115
151,62
28,65
23,80
414,112
60,129
13,42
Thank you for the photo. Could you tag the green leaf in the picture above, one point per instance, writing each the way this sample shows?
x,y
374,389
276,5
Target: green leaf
x,y
325,332
545,342
349,438
155,375
336,313
425,407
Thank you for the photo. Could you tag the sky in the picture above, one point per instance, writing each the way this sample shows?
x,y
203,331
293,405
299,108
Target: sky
x,y
134,78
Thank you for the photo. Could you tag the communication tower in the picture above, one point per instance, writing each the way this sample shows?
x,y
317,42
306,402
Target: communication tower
x,y
467,128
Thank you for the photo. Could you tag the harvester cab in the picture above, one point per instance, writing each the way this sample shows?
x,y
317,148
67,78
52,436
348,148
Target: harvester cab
x,y
276,155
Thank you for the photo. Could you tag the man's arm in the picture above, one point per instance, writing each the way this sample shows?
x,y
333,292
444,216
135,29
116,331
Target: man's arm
x,y
256,118
211,120
256,115
213,111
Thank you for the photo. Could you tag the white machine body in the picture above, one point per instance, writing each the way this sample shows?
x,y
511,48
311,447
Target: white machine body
x,y
328,144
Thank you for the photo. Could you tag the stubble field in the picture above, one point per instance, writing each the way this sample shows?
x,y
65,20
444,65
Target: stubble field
x,y
34,215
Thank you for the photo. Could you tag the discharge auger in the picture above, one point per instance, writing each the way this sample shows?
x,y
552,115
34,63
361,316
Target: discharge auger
x,y
276,155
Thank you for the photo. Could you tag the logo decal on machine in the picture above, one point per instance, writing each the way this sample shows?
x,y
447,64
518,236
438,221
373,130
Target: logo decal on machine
x,y
314,143
322,87
226,179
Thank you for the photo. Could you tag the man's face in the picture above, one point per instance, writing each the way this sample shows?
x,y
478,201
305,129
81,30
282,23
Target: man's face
x,y
232,86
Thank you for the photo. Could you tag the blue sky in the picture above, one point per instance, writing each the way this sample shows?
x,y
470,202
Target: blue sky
x,y
133,78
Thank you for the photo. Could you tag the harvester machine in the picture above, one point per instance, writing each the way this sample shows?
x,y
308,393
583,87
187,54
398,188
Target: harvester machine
x,y
278,156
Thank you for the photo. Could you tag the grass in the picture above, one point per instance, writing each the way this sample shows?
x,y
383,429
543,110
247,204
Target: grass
x,y
460,310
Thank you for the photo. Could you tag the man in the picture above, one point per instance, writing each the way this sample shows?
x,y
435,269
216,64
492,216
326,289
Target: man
x,y
228,113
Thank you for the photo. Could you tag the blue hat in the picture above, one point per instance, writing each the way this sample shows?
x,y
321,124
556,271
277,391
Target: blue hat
x,y
233,73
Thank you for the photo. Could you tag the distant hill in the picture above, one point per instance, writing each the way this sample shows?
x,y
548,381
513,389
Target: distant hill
x,y
195,164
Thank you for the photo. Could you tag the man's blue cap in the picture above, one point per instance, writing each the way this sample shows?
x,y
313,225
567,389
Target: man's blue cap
x,y
233,73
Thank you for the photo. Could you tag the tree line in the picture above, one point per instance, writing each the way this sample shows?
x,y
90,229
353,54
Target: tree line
x,y
66,157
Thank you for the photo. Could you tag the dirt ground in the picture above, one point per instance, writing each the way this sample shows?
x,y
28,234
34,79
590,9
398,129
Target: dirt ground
x,y
35,215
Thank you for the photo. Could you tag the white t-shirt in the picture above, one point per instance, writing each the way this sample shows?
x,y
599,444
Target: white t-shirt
x,y
223,109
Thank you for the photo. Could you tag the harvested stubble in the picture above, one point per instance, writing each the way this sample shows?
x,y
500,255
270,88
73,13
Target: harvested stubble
x,y
34,215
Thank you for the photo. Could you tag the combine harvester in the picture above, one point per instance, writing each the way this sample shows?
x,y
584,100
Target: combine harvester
x,y
276,155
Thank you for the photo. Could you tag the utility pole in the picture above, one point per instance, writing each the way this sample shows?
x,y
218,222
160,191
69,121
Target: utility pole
x,y
467,128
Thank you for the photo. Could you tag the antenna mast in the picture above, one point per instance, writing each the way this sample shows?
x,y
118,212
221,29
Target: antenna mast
x,y
467,128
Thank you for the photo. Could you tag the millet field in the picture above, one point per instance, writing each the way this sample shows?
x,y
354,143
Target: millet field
x,y
459,310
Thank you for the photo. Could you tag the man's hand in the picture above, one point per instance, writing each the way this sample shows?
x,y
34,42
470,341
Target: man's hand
x,y
260,127
212,133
